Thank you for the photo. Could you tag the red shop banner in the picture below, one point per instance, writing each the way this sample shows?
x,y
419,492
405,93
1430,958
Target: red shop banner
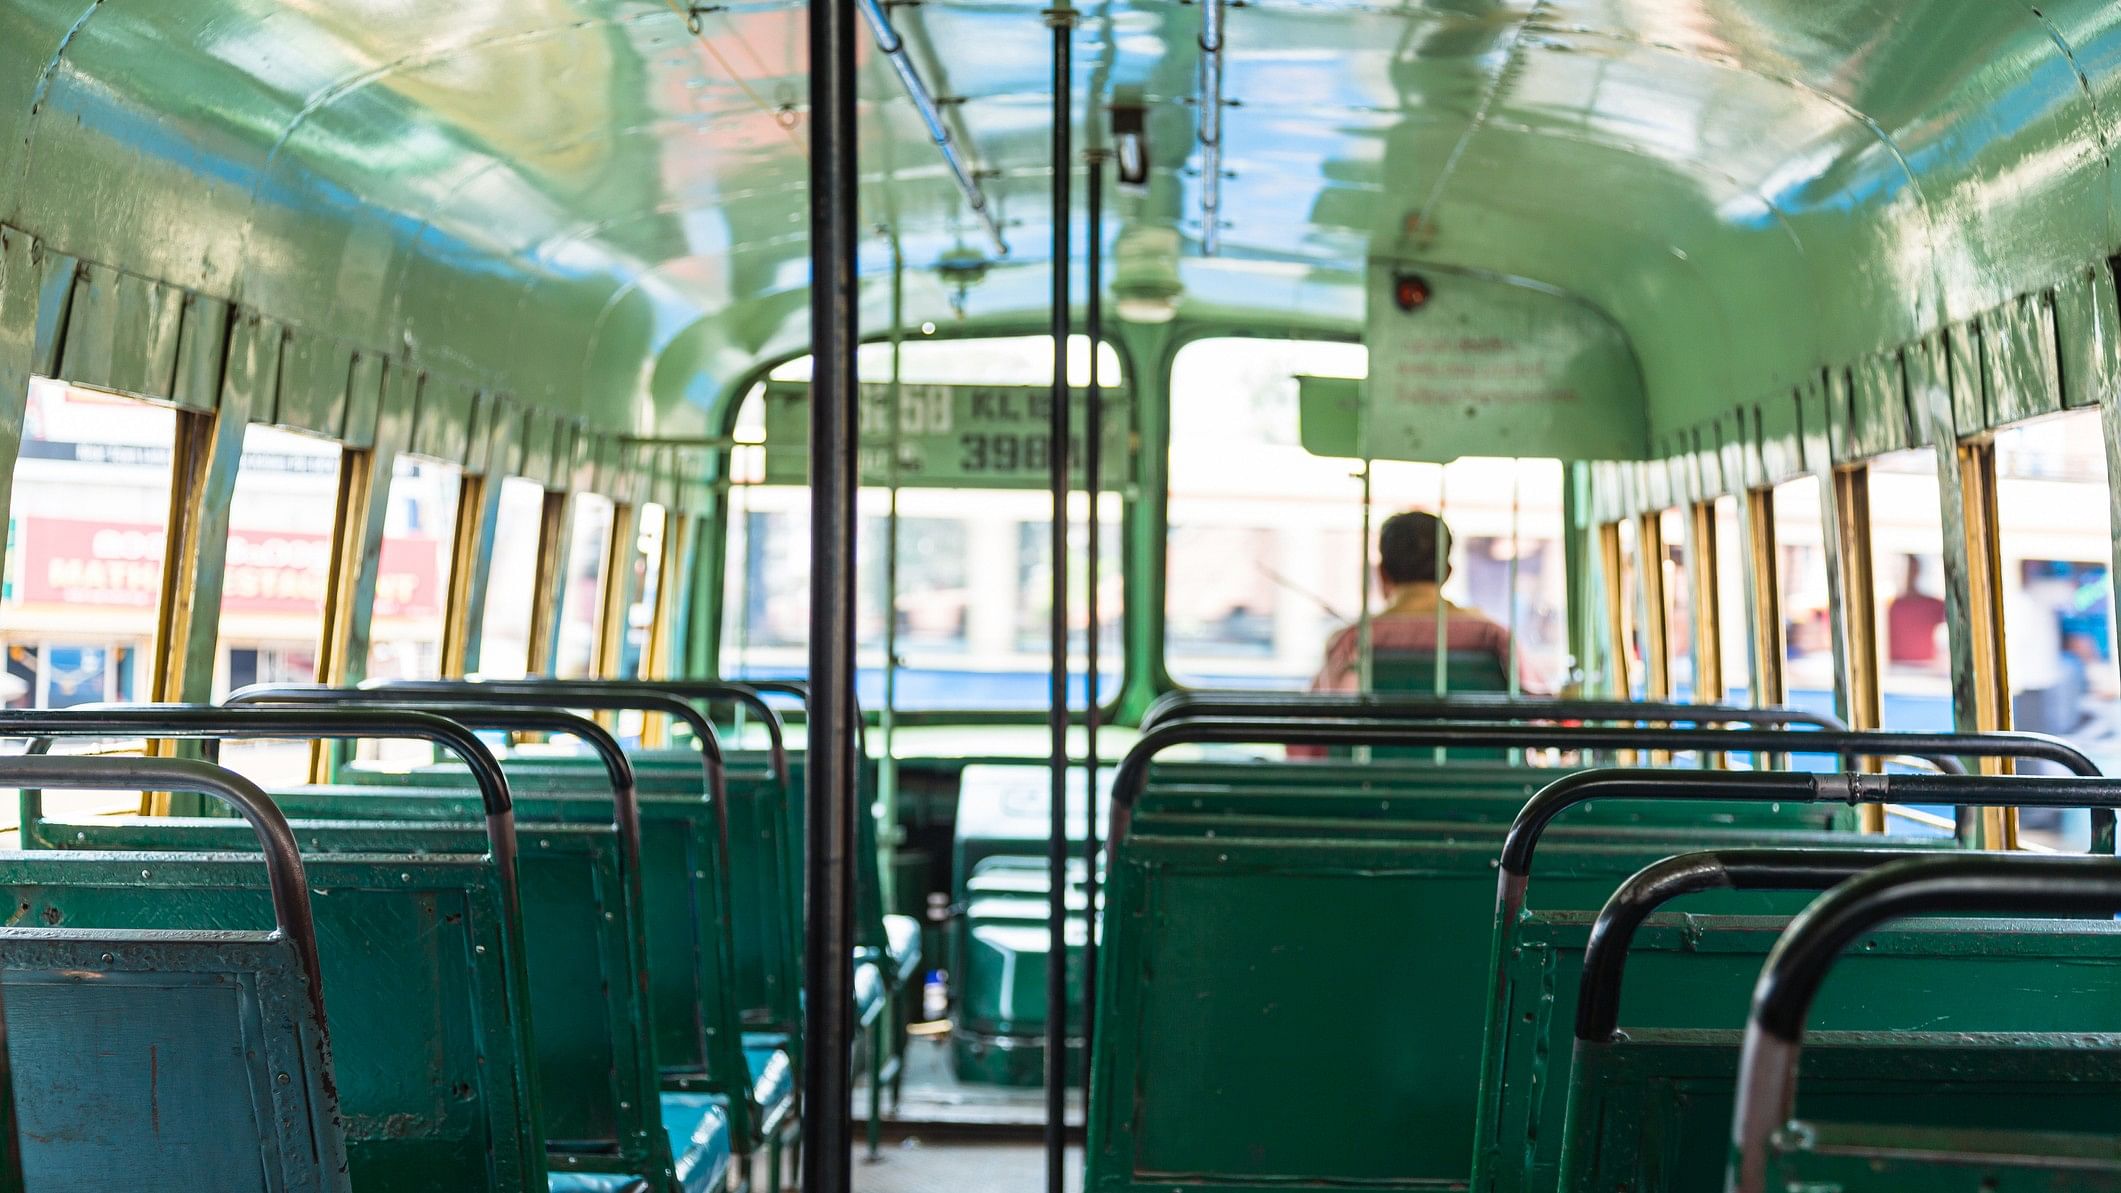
x,y
68,561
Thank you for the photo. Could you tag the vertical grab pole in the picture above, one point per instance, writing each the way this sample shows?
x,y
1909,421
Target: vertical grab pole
x,y
1093,460
1062,21
828,1012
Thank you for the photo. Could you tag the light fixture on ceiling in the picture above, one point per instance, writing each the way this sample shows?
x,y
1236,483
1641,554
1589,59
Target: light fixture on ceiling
x,y
961,267
1146,287
1130,142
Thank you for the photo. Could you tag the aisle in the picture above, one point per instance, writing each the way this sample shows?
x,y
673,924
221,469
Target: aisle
x,y
918,1167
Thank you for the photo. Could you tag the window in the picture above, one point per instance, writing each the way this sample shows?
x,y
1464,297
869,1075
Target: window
x,y
412,580
2058,603
279,559
973,565
1678,603
1907,575
511,581
649,530
273,590
85,541
1807,618
1732,611
581,597
1264,557
1632,610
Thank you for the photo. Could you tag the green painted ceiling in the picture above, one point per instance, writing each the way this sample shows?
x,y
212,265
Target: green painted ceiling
x,y
585,203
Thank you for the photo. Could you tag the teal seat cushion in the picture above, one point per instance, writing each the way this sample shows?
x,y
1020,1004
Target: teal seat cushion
x,y
772,1078
698,1126
903,933
868,993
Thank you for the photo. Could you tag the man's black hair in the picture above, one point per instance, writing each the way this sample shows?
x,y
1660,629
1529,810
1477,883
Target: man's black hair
x,y
1407,547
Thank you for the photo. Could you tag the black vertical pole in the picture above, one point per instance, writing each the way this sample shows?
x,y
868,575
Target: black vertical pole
x,y
1063,22
828,951
1093,458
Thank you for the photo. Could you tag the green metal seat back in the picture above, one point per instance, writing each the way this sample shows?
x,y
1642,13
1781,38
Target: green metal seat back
x,y
692,989
764,896
593,1051
1348,959
433,1072
1656,1113
1689,971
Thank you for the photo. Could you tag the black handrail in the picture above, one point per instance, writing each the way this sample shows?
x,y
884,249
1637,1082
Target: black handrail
x,y
1942,749
1467,707
2046,791
208,722
625,790
596,695
1605,955
284,877
1801,959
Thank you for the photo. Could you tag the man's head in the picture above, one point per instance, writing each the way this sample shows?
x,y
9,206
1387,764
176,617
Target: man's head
x,y
1408,547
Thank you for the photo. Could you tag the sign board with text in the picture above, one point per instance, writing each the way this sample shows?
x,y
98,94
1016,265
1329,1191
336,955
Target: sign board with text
x,y
951,436
1481,366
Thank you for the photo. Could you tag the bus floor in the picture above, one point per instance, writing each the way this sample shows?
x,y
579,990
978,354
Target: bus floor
x,y
914,1165
932,1094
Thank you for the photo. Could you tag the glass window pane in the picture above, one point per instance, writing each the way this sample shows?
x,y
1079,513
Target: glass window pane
x,y
588,542
1631,609
1678,603
272,594
86,531
405,631
1907,575
1807,625
973,566
1265,561
2058,606
1731,609
511,581
647,580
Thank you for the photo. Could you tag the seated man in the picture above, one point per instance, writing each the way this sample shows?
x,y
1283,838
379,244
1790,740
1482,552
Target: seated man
x,y
1407,555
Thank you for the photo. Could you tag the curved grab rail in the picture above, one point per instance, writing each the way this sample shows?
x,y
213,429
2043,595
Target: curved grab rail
x,y
1801,959
210,722
1605,955
625,797
283,857
1943,748
1472,707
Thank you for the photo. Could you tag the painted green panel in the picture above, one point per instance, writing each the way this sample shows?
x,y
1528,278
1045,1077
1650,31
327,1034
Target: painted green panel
x,y
315,373
2087,335
202,353
122,333
1929,387
368,376
252,381
1779,430
1878,406
442,428
1966,352
2019,351
1327,411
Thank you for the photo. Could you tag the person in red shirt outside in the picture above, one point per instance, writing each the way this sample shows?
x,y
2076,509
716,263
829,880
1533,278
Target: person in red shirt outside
x,y
1407,574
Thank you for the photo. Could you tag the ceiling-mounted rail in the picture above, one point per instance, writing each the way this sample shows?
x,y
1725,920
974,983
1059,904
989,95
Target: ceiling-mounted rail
x,y
909,75
1211,126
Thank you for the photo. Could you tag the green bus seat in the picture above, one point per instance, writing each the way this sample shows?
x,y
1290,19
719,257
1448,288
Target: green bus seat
x,y
1001,942
1413,672
2039,1101
168,1061
437,1085
593,1046
164,1058
1307,953
698,1127
700,1035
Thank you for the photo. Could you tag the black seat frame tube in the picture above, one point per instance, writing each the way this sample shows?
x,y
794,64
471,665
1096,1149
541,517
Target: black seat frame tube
x,y
1942,749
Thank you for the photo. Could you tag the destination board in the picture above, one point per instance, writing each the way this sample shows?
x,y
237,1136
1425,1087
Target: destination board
x,y
951,436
